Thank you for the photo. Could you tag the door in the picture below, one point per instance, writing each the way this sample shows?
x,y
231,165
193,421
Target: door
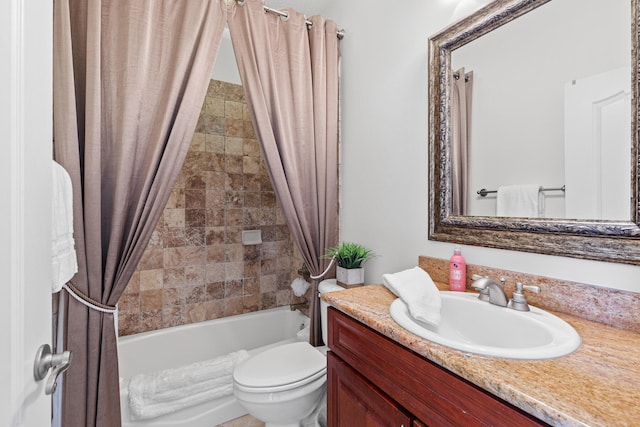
x,y
25,207
598,146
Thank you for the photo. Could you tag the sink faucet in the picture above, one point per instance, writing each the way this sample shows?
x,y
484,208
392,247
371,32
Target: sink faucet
x,y
491,290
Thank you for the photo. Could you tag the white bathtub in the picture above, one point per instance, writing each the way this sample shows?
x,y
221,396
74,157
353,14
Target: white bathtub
x,y
173,347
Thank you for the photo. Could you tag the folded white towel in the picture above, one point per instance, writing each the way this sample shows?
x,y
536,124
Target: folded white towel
x,y
164,392
416,288
64,264
520,201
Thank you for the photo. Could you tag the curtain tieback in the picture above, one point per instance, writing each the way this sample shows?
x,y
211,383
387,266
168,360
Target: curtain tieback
x,y
88,301
92,304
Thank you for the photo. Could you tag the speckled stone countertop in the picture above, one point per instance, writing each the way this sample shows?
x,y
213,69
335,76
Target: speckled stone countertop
x,y
598,385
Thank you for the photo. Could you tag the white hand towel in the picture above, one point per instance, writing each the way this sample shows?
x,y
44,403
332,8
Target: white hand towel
x,y
416,288
64,264
520,201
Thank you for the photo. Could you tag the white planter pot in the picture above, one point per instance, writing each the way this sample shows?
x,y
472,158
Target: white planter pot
x,y
349,277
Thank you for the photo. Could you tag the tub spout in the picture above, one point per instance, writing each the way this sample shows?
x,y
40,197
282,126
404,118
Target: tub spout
x,y
299,305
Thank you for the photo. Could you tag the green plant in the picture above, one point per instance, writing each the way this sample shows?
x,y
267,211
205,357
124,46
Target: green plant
x,y
349,255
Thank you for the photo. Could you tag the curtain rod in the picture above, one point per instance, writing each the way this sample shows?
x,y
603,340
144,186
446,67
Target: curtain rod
x,y
484,191
339,34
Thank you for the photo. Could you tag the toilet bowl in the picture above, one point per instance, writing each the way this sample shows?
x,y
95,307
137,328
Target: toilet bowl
x,y
283,386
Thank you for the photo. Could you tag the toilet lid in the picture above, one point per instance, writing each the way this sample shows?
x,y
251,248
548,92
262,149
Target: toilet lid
x,y
285,364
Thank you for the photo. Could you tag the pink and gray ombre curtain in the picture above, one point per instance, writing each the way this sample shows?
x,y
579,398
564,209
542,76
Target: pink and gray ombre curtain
x,y
130,78
290,77
462,91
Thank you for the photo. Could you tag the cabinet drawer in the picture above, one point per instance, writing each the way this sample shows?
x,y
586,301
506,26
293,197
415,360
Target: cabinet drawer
x,y
431,393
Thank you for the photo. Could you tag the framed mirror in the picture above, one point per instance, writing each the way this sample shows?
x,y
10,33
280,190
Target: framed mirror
x,y
503,117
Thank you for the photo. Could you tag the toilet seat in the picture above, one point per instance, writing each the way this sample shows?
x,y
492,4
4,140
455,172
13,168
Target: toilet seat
x,y
280,368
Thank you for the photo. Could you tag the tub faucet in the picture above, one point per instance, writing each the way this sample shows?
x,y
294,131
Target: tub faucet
x,y
491,291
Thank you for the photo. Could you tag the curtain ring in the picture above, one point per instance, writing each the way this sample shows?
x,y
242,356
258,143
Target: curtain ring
x,y
241,2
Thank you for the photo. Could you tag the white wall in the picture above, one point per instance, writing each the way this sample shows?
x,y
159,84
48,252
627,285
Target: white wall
x,y
225,68
385,146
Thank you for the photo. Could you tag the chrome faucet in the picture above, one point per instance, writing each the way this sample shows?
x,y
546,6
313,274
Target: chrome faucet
x,y
491,291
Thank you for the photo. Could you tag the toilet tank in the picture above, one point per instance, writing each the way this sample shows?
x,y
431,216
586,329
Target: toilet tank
x,y
325,286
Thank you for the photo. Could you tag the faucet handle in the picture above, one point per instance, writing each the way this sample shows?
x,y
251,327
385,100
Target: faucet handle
x,y
519,299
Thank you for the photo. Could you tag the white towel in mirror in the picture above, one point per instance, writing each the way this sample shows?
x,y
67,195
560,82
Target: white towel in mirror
x,y
525,201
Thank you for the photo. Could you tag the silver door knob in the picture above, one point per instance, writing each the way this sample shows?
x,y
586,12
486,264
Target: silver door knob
x,y
45,360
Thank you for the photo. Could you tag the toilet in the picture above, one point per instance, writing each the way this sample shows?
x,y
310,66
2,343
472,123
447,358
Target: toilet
x,y
283,385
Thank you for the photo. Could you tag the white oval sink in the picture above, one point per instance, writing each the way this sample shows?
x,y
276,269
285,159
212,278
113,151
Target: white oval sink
x,y
479,327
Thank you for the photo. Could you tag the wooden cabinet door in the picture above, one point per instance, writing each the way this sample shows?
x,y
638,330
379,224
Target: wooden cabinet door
x,y
352,401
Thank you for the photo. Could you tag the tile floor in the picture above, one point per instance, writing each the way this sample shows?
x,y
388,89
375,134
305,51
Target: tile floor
x,y
246,421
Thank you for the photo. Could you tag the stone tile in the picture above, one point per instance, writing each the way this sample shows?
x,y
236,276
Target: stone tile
x,y
129,302
234,217
234,182
233,306
134,283
196,198
233,163
195,312
234,253
216,254
195,217
233,109
234,146
251,147
215,273
214,144
150,320
250,165
174,277
194,275
233,288
214,106
211,124
172,297
267,300
173,316
215,235
197,142
151,279
151,259
234,270
251,286
248,130
268,283
195,294
215,291
251,303
151,300
174,218
214,217
214,309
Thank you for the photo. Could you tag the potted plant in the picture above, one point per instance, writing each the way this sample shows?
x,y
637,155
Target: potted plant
x,y
349,259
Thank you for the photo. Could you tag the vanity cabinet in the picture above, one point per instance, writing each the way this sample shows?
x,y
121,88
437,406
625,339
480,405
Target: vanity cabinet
x,y
374,381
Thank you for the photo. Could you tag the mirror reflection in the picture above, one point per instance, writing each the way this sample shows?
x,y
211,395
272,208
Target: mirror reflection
x,y
541,115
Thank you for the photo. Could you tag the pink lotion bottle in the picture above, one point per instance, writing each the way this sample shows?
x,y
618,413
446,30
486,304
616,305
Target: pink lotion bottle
x,y
457,271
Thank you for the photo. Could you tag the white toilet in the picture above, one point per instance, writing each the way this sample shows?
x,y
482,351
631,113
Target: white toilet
x,y
283,386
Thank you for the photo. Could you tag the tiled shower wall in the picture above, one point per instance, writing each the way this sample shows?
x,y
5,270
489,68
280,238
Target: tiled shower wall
x,y
196,267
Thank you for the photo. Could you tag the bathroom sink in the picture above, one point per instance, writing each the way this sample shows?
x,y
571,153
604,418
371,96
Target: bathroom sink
x,y
479,327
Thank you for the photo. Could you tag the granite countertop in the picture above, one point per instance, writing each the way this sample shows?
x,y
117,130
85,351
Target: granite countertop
x,y
598,385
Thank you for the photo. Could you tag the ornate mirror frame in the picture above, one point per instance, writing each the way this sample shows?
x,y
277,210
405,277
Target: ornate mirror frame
x,y
611,241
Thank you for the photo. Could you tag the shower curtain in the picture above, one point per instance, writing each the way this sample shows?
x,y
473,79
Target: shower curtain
x,y
130,78
290,77
462,89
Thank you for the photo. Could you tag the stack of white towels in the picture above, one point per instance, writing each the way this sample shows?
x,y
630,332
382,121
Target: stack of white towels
x,y
163,392
64,264
416,288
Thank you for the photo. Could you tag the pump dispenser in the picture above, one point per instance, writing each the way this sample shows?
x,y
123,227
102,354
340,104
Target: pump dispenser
x,y
457,271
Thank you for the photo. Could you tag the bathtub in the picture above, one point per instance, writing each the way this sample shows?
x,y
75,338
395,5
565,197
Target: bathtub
x,y
173,347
